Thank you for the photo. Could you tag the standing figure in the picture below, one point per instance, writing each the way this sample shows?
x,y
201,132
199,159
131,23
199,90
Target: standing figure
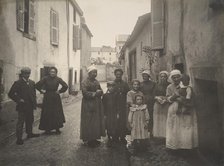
x,y
184,96
24,94
52,116
92,116
139,120
181,129
161,106
147,87
131,96
121,89
111,113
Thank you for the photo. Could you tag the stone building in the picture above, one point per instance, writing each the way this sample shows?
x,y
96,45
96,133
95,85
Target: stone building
x,y
132,55
188,35
40,34
86,36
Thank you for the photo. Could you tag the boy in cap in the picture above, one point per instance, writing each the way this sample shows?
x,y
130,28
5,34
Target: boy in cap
x,y
24,94
111,113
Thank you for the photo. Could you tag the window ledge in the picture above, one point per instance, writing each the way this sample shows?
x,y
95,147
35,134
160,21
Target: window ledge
x,y
29,36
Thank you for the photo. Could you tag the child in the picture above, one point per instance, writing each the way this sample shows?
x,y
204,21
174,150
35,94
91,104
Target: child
x,y
138,119
110,113
184,96
131,96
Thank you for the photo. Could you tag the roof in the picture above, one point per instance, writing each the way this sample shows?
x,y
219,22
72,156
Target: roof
x,y
103,49
141,22
87,29
75,4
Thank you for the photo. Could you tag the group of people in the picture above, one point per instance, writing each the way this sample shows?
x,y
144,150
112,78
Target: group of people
x,y
23,92
144,110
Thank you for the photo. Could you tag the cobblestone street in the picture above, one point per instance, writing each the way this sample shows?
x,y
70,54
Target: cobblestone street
x,y
65,149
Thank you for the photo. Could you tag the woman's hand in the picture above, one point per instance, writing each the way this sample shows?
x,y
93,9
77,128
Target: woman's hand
x,y
42,91
99,92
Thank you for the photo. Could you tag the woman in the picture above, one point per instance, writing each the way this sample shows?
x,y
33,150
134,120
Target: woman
x,y
52,116
160,106
181,129
147,87
92,117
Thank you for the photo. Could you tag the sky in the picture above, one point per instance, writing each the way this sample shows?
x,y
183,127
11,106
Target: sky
x,y
108,18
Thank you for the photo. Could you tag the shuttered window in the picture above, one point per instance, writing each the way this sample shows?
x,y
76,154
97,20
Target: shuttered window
x,y
54,28
157,24
31,17
76,37
20,8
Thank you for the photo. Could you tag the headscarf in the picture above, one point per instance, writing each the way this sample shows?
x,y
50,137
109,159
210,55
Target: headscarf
x,y
147,72
174,72
91,68
164,72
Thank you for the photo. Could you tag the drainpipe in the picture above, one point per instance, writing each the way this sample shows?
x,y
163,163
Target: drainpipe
x,y
68,34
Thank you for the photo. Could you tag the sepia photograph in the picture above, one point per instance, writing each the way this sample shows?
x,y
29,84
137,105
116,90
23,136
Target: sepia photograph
x,y
111,82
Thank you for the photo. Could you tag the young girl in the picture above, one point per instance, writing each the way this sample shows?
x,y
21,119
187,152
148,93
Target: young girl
x,y
131,96
138,119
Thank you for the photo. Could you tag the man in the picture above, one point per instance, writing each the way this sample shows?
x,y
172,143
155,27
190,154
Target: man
x,y
121,89
24,94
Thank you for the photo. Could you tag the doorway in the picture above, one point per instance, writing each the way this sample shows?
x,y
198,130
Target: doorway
x,y
132,65
209,118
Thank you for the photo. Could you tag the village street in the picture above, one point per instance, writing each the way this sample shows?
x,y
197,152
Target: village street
x,y
67,149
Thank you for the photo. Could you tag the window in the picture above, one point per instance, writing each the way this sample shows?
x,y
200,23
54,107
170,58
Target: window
x,y
76,37
54,27
74,15
25,16
157,24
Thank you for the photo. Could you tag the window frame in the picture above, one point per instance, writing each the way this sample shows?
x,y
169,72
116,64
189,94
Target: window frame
x,y
54,27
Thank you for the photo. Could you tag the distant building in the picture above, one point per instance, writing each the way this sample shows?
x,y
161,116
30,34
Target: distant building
x,y
104,55
120,41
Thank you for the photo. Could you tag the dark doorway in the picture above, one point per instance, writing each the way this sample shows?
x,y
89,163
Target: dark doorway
x,y
132,65
179,66
70,80
209,119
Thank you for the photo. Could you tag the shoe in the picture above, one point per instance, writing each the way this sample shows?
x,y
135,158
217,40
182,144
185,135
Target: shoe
x,y
58,131
19,142
47,132
123,141
33,135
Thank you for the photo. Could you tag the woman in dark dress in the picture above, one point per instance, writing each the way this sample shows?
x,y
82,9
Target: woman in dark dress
x,y
92,116
147,87
52,116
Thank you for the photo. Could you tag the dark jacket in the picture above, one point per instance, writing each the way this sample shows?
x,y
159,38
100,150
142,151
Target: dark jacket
x,y
21,90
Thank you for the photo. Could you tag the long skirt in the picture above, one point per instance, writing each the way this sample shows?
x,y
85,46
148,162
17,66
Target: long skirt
x,y
52,116
181,129
159,119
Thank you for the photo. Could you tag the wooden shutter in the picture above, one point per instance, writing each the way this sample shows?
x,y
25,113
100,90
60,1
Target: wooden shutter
x,y
20,5
157,24
76,38
54,27
31,17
